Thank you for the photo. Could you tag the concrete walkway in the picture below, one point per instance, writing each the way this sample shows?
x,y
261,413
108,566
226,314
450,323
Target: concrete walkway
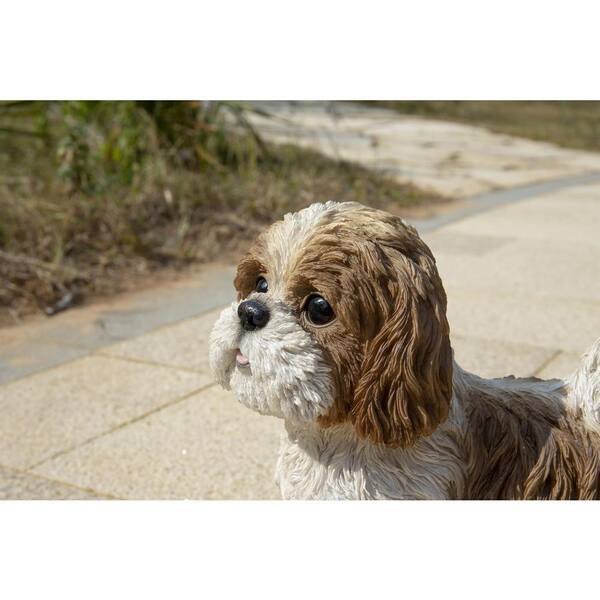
x,y
115,400
452,159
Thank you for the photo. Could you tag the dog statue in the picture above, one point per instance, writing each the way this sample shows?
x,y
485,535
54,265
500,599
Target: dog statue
x,y
340,329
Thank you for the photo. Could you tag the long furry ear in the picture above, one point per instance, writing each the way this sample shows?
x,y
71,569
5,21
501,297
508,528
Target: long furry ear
x,y
405,386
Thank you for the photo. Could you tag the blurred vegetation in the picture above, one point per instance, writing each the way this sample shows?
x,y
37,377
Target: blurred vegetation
x,y
95,195
572,124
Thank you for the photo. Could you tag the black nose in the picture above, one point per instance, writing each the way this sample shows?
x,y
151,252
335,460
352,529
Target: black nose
x,y
253,315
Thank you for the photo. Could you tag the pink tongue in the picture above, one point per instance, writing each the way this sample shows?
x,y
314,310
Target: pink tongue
x,y
241,359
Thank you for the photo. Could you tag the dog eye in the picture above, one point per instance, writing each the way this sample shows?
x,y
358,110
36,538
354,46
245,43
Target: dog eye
x,y
318,311
261,285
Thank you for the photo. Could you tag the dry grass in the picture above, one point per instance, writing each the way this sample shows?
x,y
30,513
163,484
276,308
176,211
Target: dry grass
x,y
565,123
55,243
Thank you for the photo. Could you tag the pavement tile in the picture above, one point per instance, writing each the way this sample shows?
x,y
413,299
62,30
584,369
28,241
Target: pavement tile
x,y
16,485
57,409
20,358
494,358
206,447
558,270
462,244
569,215
182,345
570,325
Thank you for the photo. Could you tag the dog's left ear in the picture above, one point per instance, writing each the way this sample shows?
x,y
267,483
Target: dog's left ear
x,y
405,387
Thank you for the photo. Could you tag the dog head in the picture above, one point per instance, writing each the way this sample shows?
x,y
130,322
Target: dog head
x,y
341,317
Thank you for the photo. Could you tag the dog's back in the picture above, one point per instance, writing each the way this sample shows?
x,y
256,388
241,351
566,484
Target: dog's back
x,y
533,439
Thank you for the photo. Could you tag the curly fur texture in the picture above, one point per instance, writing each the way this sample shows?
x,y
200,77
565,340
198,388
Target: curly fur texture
x,y
374,405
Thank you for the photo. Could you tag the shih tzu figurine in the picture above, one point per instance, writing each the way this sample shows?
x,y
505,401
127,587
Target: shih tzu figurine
x,y
340,329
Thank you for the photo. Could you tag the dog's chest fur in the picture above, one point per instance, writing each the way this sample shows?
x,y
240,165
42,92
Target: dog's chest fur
x,y
334,464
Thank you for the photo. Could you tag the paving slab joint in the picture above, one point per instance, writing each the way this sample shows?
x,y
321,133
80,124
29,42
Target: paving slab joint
x,y
121,426
145,362
545,363
27,472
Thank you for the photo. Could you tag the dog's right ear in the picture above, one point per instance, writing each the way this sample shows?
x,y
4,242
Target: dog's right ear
x,y
405,386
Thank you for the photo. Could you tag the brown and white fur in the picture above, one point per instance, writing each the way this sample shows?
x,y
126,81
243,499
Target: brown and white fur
x,y
375,407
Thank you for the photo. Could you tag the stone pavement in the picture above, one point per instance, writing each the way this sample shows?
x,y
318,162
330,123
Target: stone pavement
x,y
115,400
452,159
